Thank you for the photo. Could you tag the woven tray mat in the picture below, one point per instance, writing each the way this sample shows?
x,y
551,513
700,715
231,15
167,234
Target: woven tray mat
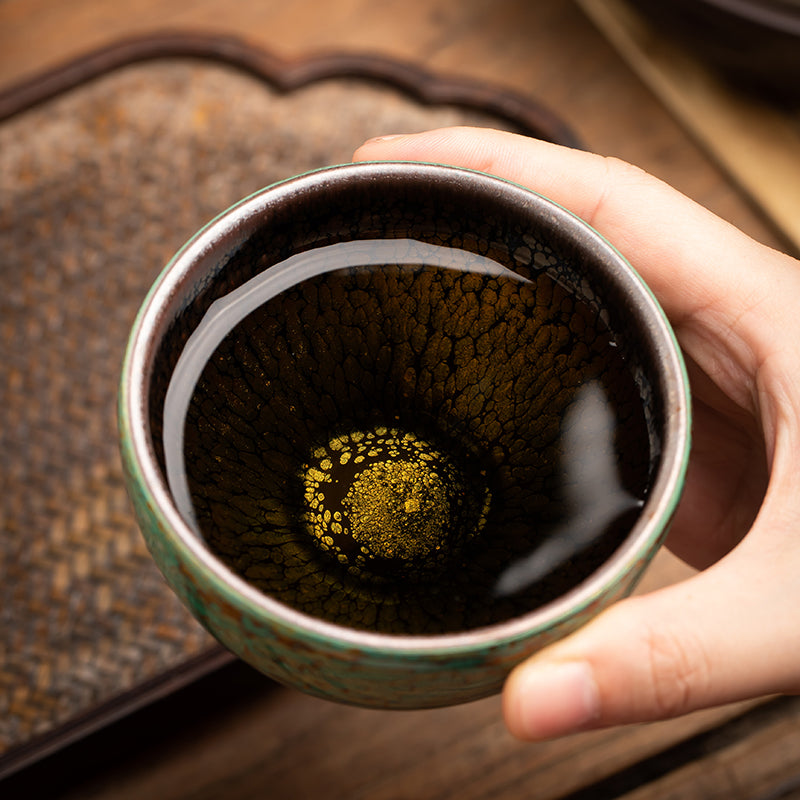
x,y
99,186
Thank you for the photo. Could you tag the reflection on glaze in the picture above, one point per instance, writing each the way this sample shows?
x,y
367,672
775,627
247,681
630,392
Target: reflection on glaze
x,y
594,494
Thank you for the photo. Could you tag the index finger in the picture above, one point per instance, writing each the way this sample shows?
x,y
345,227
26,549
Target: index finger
x,y
707,275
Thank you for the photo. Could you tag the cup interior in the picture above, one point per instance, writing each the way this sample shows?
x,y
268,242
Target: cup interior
x,y
507,381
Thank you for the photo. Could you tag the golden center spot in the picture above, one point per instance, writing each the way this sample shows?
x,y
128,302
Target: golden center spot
x,y
398,509
386,496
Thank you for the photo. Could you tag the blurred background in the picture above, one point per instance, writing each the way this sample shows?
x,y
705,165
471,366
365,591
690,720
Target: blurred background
x,y
126,126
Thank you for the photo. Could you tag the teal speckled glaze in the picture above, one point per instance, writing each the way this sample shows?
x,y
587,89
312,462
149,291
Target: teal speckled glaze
x,y
323,658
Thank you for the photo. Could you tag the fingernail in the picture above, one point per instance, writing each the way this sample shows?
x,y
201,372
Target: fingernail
x,y
387,138
545,701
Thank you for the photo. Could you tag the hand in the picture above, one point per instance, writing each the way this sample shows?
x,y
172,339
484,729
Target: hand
x,y
732,631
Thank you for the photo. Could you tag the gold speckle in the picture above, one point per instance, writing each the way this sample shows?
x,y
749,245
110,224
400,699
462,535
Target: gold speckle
x,y
399,502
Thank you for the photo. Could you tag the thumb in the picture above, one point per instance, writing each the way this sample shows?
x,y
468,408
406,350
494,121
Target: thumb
x,y
703,642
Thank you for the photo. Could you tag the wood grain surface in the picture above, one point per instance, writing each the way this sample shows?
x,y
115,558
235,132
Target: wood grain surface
x,y
756,143
237,735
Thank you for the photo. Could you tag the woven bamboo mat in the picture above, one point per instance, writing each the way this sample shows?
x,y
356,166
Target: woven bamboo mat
x,y
99,185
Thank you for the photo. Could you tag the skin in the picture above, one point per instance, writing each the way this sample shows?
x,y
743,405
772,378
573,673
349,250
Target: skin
x,y
731,631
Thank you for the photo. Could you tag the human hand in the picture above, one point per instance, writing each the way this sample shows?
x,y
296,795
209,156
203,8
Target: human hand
x,y
732,631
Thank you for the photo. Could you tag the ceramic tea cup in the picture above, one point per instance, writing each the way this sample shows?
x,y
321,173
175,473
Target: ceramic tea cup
x,y
391,428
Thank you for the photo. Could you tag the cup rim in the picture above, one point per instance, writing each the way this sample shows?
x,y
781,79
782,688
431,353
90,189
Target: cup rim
x,y
231,227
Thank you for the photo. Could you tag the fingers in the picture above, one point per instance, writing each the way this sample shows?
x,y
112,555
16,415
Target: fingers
x,y
642,216
730,632
723,292
726,481
703,642
701,269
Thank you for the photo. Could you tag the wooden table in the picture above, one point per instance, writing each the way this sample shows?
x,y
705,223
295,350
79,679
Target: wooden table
x,y
235,734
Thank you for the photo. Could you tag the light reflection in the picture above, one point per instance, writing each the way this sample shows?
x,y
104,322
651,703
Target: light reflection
x,y
594,494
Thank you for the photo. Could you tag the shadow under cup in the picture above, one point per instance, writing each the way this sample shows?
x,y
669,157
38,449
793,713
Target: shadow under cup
x,y
389,428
